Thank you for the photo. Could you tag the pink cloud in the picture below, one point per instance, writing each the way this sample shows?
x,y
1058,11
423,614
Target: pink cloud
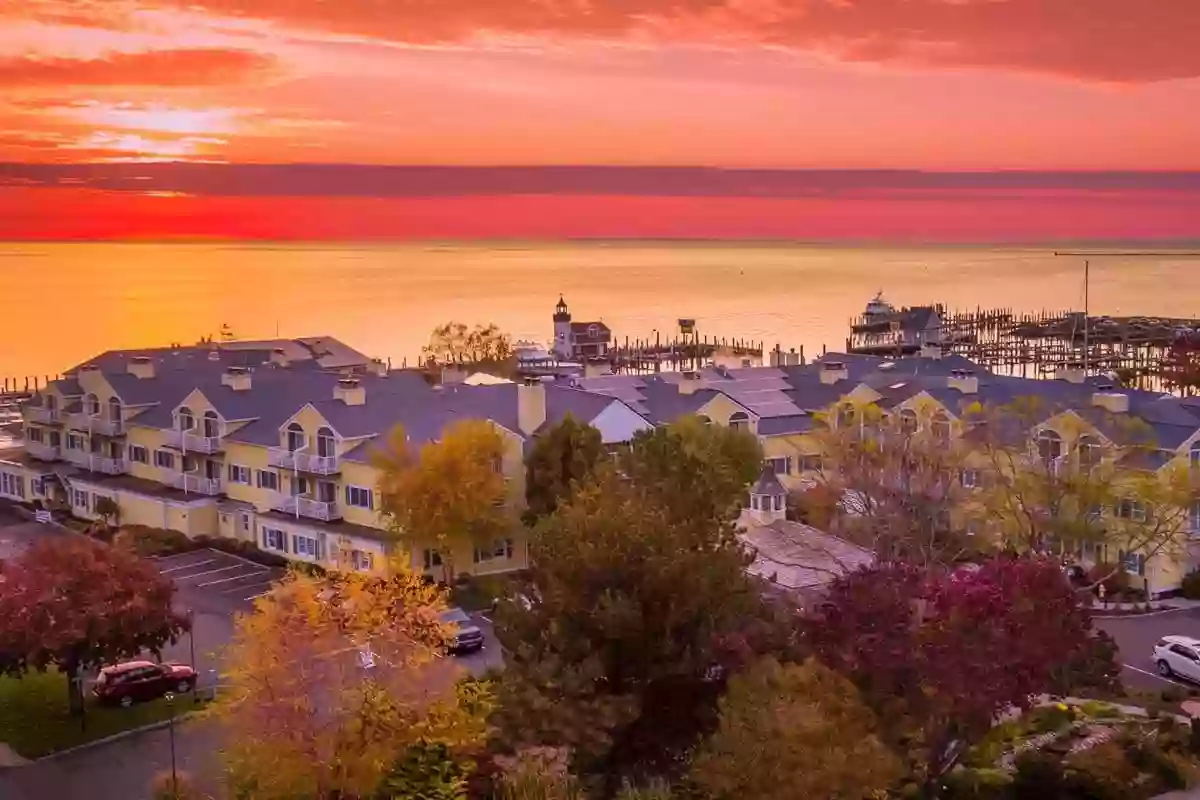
x,y
190,67
1105,40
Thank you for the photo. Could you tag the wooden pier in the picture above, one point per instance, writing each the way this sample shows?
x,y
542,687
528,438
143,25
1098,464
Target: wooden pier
x,y
682,353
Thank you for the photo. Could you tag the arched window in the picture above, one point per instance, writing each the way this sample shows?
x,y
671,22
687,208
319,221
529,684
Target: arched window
x,y
212,425
187,420
940,427
845,415
326,444
592,331
739,421
295,437
91,404
1049,444
704,419
51,402
114,408
908,420
1088,450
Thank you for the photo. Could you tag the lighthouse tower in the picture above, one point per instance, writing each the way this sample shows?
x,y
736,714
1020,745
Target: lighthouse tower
x,y
562,330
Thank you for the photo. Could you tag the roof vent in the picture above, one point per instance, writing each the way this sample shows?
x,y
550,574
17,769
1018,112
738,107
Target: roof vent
x,y
213,355
236,378
834,371
280,358
141,367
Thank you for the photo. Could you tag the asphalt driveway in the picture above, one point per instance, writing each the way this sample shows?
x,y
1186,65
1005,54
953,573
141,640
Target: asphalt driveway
x,y
1136,637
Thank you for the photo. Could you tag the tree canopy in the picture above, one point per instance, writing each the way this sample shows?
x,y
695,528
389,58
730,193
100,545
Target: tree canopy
x,y
562,458
939,655
796,730
310,720
455,343
642,605
76,604
448,492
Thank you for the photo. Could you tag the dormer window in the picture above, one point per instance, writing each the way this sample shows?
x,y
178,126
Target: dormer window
x,y
185,418
908,421
1089,451
114,409
1194,457
295,437
1049,445
845,415
91,405
212,425
940,427
326,443
739,421
592,331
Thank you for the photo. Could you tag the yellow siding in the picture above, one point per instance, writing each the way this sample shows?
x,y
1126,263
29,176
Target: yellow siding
x,y
198,404
152,439
366,476
141,510
254,457
311,420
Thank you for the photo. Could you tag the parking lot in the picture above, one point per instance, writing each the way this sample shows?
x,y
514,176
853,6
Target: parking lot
x,y
217,581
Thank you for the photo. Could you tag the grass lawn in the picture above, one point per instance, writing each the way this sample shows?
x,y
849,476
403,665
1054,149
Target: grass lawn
x,y
34,720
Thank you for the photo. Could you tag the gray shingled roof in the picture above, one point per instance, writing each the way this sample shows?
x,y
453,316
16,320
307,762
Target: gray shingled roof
x,y
768,483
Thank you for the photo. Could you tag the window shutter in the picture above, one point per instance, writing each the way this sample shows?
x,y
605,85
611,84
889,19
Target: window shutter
x,y
371,499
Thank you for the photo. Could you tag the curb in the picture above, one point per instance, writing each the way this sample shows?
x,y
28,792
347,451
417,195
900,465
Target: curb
x,y
1142,615
116,737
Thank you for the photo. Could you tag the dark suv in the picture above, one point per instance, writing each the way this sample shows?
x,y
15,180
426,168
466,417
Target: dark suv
x,y
134,681
467,636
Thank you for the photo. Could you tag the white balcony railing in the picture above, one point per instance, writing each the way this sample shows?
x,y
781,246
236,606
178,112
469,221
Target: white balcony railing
x,y
302,461
109,466
95,462
46,416
101,425
43,451
196,484
306,507
194,443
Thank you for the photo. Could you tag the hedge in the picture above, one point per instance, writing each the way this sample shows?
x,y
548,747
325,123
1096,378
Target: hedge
x,y
147,541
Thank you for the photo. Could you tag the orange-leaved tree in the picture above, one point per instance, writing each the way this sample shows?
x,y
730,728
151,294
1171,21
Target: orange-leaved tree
x,y
331,681
449,492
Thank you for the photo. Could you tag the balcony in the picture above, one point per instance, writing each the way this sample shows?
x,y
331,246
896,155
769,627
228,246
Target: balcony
x,y
101,425
43,451
46,416
109,466
196,484
301,461
193,443
306,507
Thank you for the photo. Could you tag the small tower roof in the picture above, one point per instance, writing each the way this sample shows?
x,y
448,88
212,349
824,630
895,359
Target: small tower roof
x,y
768,484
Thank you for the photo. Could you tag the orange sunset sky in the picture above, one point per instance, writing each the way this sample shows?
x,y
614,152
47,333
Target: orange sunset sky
x,y
831,119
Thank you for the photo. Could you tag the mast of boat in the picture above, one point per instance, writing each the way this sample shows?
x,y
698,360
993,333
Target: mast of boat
x,y
1086,276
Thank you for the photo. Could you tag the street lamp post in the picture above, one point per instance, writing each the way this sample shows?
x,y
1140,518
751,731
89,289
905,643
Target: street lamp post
x,y
191,615
171,733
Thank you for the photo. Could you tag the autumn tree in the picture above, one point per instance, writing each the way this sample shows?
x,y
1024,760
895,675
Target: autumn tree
x,y
938,655
1093,481
695,470
75,605
895,482
107,509
482,347
332,685
641,609
448,492
562,458
806,732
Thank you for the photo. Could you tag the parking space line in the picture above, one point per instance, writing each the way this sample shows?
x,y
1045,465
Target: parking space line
x,y
228,580
176,555
256,596
211,572
1156,675
190,566
247,586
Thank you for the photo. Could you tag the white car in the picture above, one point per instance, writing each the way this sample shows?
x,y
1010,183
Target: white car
x,y
1178,655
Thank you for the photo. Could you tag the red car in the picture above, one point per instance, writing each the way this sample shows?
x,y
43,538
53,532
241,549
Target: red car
x,y
134,681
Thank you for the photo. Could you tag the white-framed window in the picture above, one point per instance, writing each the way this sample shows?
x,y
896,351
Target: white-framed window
x,y
164,459
739,421
185,418
79,499
245,522
908,421
266,479
780,466
1194,517
274,539
970,478
239,473
139,454
1194,456
34,434
810,463
501,548
1131,509
432,558
75,441
360,497
940,427
37,486
304,545
363,560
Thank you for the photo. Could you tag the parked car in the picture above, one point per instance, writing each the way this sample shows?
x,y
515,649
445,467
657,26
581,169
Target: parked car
x,y
135,681
1178,655
468,638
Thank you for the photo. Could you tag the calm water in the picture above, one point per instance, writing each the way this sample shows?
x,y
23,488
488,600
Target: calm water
x,y
66,301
